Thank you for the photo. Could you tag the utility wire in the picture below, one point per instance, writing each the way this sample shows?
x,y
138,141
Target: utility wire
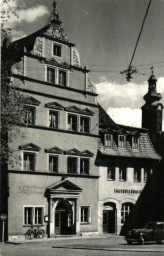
x,y
140,32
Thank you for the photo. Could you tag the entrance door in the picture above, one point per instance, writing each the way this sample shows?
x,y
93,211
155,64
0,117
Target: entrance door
x,y
109,222
63,219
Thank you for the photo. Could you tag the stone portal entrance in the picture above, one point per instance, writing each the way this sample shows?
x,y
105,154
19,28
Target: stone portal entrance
x,y
63,208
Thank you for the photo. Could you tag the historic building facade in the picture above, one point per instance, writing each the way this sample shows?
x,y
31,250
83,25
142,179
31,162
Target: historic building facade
x,y
77,171
127,163
49,185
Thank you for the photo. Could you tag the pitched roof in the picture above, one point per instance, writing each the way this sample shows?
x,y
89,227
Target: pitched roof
x,y
145,150
104,118
107,125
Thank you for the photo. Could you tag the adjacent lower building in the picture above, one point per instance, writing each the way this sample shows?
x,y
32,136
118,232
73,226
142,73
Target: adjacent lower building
x,y
127,162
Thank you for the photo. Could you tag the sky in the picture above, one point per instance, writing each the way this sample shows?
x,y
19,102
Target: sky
x,y
105,33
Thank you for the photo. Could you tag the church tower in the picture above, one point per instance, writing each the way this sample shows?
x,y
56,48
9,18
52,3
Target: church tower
x,y
152,109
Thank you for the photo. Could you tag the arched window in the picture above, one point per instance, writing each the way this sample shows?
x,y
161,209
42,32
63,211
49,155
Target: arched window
x,y
126,212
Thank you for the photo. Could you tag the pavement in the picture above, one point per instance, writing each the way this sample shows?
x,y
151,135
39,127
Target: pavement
x,y
103,243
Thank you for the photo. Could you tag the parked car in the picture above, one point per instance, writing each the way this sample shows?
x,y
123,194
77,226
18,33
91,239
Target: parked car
x,y
153,231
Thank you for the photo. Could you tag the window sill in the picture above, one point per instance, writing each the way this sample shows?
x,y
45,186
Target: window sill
x,y
86,223
111,179
33,226
137,181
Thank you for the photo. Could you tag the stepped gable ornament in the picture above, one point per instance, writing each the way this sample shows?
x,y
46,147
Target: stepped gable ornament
x,y
18,68
38,47
76,58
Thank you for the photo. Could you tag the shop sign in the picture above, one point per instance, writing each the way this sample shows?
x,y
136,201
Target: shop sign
x,y
127,191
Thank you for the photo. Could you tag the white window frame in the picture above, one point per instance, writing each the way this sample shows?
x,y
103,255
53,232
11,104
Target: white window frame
x,y
33,214
124,169
126,212
34,113
55,69
135,145
77,159
138,171
66,71
58,44
89,165
106,141
58,117
89,119
121,144
114,169
77,116
53,155
35,156
89,214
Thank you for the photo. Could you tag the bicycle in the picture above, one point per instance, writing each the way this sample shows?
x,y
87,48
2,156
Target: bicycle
x,y
34,233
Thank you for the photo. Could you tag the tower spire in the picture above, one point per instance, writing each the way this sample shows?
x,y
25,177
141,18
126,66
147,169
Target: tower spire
x,y
152,109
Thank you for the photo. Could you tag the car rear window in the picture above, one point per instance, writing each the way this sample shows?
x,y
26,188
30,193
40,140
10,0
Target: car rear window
x,y
150,225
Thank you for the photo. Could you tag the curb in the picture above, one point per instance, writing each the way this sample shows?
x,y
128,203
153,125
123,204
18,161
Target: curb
x,y
108,249
23,241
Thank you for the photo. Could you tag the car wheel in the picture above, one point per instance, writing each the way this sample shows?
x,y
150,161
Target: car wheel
x,y
159,242
129,242
141,240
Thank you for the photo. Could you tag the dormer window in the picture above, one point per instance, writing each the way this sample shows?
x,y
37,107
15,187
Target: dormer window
x,y
108,140
57,50
135,142
121,141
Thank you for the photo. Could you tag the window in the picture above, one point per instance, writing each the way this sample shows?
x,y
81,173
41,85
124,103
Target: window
x,y
33,215
135,142
85,214
62,77
53,119
57,50
72,122
84,166
29,115
38,215
53,164
126,213
108,140
84,124
146,174
137,174
51,75
28,216
121,140
29,161
72,165
122,173
111,173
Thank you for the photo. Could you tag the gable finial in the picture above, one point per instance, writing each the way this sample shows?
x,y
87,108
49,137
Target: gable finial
x,y
55,14
152,70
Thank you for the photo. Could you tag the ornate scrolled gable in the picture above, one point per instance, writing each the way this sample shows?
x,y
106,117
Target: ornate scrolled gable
x,y
38,47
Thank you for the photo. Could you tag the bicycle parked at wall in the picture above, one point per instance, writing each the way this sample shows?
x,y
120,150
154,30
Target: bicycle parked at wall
x,y
34,233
